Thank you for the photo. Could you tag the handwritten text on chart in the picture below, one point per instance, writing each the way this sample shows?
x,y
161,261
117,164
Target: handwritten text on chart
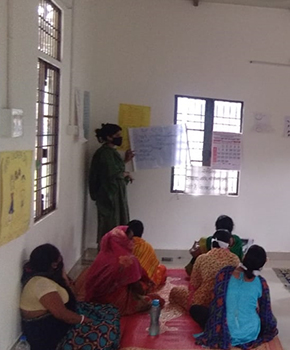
x,y
154,147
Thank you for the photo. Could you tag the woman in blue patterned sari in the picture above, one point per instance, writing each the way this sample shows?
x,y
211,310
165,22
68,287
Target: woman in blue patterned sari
x,y
240,314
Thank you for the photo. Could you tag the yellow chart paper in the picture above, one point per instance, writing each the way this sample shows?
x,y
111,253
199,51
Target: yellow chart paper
x,y
132,116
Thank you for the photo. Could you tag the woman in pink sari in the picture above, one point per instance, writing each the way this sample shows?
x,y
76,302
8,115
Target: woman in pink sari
x,y
115,275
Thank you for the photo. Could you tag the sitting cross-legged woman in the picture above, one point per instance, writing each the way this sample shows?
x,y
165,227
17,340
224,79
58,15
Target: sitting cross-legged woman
x,y
52,319
147,256
199,294
240,314
116,275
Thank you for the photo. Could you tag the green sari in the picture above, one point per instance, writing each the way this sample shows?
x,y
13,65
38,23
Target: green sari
x,y
108,189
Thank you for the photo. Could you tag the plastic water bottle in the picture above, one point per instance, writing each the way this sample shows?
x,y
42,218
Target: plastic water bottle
x,y
154,328
22,344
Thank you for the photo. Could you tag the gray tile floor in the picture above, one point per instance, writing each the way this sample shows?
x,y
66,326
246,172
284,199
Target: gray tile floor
x,y
280,295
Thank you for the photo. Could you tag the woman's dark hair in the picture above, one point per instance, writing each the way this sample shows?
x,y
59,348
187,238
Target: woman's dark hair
x,y
224,222
39,264
106,130
42,257
254,259
221,235
137,227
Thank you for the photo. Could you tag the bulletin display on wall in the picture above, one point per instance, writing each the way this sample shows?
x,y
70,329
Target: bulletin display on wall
x,y
132,116
15,194
155,147
226,151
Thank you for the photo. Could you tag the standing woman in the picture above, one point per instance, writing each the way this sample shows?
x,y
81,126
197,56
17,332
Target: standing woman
x,y
108,180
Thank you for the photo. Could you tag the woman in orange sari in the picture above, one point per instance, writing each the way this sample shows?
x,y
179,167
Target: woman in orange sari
x,y
115,275
146,255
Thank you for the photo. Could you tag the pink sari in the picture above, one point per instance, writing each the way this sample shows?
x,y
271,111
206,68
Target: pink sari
x,y
114,269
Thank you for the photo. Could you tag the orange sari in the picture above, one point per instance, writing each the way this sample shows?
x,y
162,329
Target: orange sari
x,y
148,260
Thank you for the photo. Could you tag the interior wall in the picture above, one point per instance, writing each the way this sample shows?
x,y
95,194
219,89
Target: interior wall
x,y
63,227
145,53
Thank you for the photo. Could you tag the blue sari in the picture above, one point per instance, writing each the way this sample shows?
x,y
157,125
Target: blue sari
x,y
216,334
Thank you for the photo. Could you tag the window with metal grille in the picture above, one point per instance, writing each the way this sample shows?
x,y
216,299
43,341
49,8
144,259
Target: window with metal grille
x,y
201,117
47,110
49,28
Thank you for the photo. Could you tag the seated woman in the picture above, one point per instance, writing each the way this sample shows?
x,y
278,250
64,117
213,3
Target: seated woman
x,y
146,255
51,317
204,243
240,314
201,285
116,274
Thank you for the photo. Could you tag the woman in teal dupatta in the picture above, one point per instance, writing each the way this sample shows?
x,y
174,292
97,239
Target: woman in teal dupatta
x,y
108,180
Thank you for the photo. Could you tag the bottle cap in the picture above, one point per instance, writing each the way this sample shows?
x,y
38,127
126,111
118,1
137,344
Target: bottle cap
x,y
155,302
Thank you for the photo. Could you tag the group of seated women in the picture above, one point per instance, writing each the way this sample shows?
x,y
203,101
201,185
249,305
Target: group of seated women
x,y
121,281
225,296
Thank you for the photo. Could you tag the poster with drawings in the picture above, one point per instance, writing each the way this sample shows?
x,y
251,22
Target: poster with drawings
x,y
15,194
226,151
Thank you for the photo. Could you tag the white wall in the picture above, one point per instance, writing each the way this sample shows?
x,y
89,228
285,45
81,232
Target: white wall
x,y
148,51
145,52
64,227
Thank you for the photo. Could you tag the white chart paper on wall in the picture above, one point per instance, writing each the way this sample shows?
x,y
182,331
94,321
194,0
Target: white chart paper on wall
x,y
226,151
155,147
202,180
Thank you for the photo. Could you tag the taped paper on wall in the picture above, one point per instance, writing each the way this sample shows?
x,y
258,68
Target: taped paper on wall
x,y
155,147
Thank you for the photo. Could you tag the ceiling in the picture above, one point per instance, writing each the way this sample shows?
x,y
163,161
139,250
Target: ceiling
x,y
279,4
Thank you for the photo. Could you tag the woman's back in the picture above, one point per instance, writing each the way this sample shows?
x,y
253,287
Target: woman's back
x,y
241,305
204,271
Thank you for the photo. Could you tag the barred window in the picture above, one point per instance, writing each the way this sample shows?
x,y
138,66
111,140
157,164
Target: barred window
x,y
201,117
49,29
47,110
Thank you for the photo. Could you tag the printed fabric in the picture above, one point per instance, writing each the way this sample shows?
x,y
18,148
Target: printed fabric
x,y
216,334
148,260
115,269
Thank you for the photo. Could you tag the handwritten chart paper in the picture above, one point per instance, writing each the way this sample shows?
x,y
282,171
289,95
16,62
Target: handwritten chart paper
x,y
206,181
155,147
15,194
132,116
226,151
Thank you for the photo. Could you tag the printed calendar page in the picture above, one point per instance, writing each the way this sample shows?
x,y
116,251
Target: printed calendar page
x,y
226,151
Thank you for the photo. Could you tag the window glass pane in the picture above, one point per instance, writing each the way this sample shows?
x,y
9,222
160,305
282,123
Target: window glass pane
x,y
227,116
46,143
49,28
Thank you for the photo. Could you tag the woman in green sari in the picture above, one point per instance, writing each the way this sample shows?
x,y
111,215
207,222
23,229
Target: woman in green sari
x,y
202,246
108,180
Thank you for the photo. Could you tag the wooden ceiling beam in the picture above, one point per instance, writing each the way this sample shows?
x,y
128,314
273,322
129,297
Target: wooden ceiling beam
x,y
195,2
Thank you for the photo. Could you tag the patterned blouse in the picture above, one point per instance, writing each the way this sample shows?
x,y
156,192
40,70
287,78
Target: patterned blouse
x,y
203,274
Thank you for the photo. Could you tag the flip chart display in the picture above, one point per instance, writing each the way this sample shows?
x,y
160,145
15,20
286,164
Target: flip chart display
x,y
155,147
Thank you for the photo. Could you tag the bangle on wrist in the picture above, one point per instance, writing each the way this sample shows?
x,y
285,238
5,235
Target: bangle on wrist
x,y
82,318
